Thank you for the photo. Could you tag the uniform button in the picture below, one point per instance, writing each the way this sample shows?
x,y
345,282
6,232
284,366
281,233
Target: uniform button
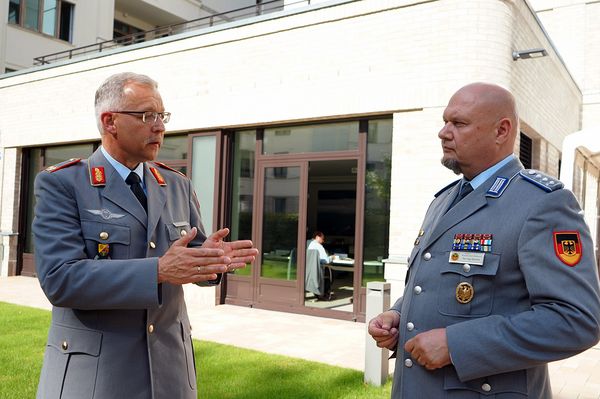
x,y
427,256
417,241
466,267
104,235
410,326
151,328
531,172
545,179
486,387
65,345
182,233
408,259
408,363
417,290
152,244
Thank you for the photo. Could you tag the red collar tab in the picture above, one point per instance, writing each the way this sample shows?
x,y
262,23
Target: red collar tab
x,y
158,176
97,176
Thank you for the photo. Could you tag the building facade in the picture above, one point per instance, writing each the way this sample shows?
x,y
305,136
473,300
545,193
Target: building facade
x,y
320,116
573,28
33,28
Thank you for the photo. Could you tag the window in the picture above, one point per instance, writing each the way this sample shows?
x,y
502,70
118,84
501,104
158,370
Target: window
x,y
341,136
50,17
242,201
65,21
14,11
378,177
525,151
40,158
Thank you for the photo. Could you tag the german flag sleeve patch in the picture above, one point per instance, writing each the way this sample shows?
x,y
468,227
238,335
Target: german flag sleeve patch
x,y
567,246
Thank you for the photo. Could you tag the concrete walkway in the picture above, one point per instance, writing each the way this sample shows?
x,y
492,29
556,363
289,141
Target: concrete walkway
x,y
335,342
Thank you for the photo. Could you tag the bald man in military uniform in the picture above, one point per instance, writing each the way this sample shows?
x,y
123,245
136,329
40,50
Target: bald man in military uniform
x,y
116,236
502,278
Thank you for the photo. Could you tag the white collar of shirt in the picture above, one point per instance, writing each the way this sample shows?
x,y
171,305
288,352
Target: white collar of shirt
x,y
486,174
123,170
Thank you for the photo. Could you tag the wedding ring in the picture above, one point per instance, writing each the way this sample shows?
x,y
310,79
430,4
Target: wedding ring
x,y
198,269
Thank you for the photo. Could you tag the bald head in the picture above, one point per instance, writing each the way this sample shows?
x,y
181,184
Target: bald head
x,y
480,128
492,99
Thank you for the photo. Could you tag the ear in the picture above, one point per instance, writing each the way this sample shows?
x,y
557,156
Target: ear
x,y
108,123
503,130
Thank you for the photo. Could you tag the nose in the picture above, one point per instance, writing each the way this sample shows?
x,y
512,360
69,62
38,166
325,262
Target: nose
x,y
445,132
158,126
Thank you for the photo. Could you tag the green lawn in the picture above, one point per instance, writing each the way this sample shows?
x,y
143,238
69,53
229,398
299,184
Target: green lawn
x,y
223,371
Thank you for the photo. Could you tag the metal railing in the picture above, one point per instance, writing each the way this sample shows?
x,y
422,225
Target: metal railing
x,y
168,30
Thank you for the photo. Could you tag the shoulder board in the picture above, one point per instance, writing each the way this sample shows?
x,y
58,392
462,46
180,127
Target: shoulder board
x,y
541,180
62,165
447,187
162,165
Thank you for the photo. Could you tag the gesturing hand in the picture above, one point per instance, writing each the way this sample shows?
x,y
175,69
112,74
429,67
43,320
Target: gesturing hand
x,y
239,252
181,265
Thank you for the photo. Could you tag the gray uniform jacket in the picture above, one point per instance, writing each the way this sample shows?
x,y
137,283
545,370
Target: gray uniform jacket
x,y
115,332
520,309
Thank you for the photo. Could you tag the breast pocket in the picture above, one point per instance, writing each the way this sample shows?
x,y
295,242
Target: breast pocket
x,y
467,291
511,385
71,363
117,237
176,230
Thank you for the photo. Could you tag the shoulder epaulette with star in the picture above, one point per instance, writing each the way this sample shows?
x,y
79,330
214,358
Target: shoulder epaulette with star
x,y
447,187
541,180
62,165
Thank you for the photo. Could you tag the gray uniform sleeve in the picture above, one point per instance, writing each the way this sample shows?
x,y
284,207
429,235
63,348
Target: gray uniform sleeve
x,y
564,316
67,276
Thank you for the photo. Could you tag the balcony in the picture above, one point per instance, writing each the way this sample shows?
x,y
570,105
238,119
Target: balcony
x,y
213,19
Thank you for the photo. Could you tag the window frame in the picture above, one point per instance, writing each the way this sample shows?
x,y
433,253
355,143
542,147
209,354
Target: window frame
x,y
40,19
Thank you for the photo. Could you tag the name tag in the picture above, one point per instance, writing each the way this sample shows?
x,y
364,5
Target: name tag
x,y
473,258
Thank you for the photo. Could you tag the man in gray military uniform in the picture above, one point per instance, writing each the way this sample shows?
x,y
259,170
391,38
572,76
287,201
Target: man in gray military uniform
x,y
115,238
502,277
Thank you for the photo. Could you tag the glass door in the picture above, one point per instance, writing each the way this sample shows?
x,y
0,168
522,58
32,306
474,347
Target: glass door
x,y
331,259
282,200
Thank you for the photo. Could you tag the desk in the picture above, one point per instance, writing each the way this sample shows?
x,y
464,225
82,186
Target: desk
x,y
342,265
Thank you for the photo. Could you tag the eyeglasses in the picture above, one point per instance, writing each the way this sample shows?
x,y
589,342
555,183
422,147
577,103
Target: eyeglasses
x,y
148,116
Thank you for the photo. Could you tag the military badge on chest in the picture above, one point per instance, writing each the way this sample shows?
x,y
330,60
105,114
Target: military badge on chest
x,y
467,250
103,248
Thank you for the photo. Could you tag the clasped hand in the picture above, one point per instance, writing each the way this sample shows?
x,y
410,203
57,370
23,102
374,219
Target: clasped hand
x,y
429,348
181,265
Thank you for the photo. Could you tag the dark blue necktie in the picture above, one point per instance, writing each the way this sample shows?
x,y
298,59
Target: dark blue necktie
x,y
464,190
134,182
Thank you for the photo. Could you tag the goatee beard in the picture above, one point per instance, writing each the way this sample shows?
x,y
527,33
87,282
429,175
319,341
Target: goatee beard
x,y
452,164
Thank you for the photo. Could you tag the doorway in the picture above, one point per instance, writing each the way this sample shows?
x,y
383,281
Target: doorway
x,y
297,199
331,215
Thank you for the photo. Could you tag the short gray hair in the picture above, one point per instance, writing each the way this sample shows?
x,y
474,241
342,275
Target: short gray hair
x,y
109,96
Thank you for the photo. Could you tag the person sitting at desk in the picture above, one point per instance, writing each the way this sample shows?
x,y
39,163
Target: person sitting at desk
x,y
317,243
316,281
